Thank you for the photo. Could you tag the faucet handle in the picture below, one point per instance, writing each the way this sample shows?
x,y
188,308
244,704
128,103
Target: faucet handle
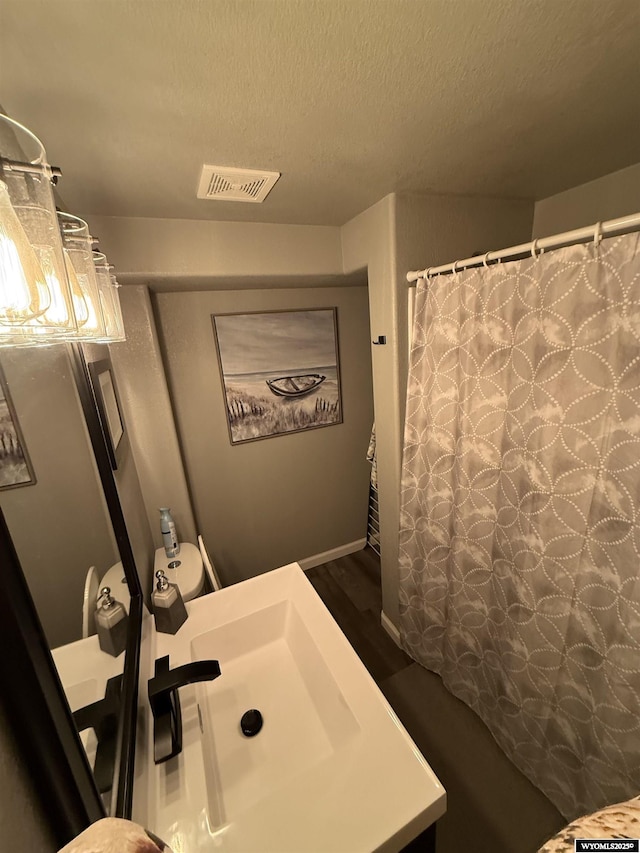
x,y
165,702
167,715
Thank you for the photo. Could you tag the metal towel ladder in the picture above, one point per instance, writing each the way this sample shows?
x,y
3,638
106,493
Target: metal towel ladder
x,y
373,520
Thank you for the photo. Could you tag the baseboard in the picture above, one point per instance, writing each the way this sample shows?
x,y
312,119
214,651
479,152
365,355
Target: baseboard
x,y
390,628
333,554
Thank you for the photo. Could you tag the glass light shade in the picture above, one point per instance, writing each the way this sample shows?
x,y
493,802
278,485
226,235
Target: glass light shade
x,y
118,308
109,300
26,175
24,294
80,307
82,277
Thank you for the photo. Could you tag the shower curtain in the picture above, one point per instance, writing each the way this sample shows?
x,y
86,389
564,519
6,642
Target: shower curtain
x,y
520,510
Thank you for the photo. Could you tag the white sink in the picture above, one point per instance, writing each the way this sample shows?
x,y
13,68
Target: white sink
x,y
332,768
270,662
84,670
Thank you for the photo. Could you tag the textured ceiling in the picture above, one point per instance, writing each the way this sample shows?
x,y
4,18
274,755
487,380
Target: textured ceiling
x,y
349,99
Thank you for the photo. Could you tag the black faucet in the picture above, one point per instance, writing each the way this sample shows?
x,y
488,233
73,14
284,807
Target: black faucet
x,y
165,703
102,717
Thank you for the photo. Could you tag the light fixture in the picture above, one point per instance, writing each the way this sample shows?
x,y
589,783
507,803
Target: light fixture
x,y
50,288
78,253
117,307
109,299
35,299
24,294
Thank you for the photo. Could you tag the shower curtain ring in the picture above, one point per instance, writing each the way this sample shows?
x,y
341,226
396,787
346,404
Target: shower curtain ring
x,y
485,260
597,234
534,246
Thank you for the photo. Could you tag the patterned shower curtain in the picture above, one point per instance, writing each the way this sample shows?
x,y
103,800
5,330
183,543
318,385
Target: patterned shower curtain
x,y
520,522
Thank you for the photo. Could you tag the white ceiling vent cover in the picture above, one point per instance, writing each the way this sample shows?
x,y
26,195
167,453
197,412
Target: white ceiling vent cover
x,y
223,183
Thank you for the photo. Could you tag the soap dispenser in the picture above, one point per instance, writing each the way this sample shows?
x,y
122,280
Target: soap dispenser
x,y
168,607
169,535
111,623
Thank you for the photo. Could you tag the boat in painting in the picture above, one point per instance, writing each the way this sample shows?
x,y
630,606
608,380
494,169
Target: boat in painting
x,y
295,386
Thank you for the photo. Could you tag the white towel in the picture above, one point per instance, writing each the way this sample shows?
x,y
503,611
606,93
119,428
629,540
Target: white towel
x,y
114,835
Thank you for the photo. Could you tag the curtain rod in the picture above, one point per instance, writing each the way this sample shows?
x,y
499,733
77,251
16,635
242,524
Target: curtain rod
x,y
580,235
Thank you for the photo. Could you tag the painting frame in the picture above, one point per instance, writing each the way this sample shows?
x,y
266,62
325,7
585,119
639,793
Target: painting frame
x,y
109,408
279,371
15,438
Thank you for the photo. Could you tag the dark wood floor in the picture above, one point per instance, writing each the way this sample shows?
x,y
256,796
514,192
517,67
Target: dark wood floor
x,y
491,806
350,588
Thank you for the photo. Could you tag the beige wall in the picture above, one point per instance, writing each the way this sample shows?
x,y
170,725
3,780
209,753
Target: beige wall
x,y
135,514
265,503
129,490
368,241
144,396
433,230
146,250
59,525
609,197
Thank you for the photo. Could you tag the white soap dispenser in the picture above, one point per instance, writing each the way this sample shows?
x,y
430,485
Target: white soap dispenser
x,y
169,535
111,623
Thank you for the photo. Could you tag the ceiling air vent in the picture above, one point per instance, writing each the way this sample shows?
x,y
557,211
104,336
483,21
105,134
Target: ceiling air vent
x,y
222,183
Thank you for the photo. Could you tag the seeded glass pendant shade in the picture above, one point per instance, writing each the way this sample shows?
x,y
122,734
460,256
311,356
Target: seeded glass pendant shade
x,y
109,299
35,298
117,308
82,277
52,288
24,294
80,308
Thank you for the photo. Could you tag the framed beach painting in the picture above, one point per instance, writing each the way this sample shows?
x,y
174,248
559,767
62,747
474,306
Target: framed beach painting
x,y
280,371
15,467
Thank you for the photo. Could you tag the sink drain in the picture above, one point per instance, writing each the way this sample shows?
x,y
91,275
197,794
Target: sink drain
x,y
251,722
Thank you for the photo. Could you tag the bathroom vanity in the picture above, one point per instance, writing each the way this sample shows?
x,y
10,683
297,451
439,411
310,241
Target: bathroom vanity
x,y
330,769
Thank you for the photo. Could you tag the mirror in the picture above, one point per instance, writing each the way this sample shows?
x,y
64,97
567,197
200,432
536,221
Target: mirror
x,y
58,517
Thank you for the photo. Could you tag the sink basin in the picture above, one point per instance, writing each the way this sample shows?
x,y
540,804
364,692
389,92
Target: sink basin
x,y
84,671
331,769
270,662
